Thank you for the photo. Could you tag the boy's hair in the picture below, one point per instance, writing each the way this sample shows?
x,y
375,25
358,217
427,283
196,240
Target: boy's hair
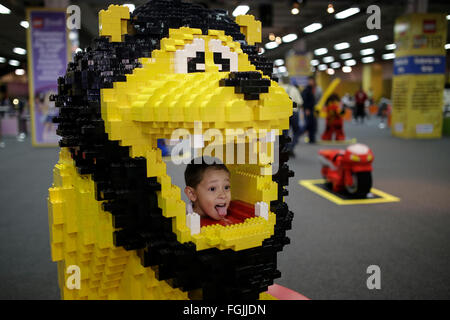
x,y
193,174
331,98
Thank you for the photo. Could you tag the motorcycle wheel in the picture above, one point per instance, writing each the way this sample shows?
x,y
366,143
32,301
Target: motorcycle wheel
x,y
362,183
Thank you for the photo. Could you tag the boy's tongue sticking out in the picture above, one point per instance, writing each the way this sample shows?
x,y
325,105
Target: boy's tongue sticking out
x,y
221,210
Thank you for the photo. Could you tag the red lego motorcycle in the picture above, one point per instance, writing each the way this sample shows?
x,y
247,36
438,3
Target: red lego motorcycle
x,y
348,170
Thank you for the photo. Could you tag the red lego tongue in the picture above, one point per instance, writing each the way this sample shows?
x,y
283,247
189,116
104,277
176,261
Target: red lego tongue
x,y
237,212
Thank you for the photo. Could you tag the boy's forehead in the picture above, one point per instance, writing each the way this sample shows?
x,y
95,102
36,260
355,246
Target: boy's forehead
x,y
214,173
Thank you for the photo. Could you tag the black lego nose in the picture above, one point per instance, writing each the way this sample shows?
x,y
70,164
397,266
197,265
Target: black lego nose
x,y
250,83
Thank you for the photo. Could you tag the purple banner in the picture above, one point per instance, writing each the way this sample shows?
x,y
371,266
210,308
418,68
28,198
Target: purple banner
x,y
49,58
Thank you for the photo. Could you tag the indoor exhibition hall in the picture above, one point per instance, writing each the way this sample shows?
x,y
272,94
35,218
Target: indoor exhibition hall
x,y
224,150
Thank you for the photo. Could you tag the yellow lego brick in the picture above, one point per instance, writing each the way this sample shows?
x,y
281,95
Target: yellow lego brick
x,y
250,27
113,22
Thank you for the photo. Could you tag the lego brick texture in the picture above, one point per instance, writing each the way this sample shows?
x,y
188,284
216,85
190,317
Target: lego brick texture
x,y
110,210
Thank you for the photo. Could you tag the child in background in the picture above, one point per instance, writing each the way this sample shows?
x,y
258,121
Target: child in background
x,y
334,120
208,188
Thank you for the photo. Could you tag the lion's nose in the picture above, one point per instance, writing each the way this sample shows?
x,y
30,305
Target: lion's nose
x,y
250,83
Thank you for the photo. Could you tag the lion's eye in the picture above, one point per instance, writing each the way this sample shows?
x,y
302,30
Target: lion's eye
x,y
224,64
196,64
191,58
223,57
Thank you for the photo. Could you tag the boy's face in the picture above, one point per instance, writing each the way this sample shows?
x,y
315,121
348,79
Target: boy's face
x,y
212,195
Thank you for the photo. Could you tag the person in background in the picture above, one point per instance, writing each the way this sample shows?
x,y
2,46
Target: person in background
x,y
347,101
309,103
21,121
318,93
294,120
383,109
360,101
5,106
369,103
370,96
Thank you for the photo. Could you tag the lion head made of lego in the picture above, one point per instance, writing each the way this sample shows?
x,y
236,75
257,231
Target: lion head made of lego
x,y
113,209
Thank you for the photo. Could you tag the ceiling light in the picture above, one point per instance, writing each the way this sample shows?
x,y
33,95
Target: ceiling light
x,y
368,59
314,62
365,52
330,8
271,45
289,37
278,40
335,65
282,69
271,37
346,56
447,46
322,67
330,71
14,63
20,72
2,60
367,39
16,101
261,51
328,59
391,46
320,51
279,62
130,6
350,62
73,35
312,27
448,17
388,56
342,46
346,69
240,10
295,8
25,24
4,10
20,51
346,13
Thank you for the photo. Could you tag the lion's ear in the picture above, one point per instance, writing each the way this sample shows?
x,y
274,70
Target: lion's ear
x,y
250,27
113,23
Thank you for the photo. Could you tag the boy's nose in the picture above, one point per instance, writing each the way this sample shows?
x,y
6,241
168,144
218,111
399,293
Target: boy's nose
x,y
222,193
250,83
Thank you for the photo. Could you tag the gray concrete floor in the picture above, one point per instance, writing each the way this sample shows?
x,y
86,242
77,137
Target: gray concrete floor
x,y
331,246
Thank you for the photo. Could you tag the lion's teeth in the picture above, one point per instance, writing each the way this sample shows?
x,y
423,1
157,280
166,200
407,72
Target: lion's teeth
x,y
193,222
262,210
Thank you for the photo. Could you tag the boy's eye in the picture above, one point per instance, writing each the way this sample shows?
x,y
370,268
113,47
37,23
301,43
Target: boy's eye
x,y
227,187
212,189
